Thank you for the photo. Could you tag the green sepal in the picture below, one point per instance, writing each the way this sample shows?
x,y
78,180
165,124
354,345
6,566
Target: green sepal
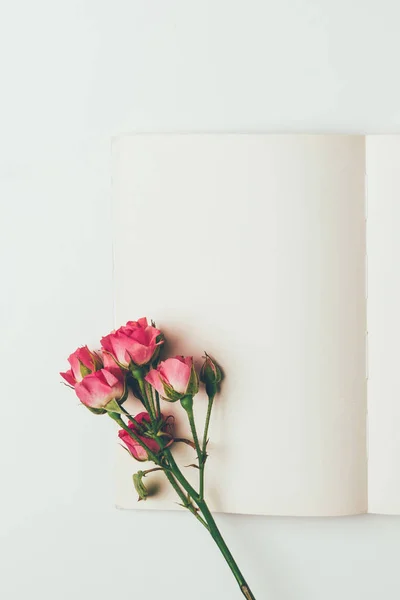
x,y
125,394
84,369
97,361
156,356
170,394
193,385
114,407
120,365
96,411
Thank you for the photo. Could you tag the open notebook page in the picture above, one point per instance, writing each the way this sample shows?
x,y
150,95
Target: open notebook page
x,y
383,160
252,247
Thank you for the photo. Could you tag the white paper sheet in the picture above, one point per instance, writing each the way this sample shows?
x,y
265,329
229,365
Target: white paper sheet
x,y
252,247
383,160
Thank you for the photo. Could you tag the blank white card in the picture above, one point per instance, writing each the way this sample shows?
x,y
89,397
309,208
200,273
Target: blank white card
x,y
252,247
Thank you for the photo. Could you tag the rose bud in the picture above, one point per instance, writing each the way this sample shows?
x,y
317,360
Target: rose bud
x,y
140,488
135,344
210,375
83,362
174,378
101,387
139,426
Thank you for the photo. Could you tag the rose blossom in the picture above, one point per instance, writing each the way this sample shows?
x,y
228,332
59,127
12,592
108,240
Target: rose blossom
x,y
134,342
174,378
141,424
99,388
96,377
83,362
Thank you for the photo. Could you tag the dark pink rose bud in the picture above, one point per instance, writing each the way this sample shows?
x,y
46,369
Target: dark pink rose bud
x,y
136,343
140,426
174,378
83,362
96,378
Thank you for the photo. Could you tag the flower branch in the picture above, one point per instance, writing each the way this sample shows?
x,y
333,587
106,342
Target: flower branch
x,y
130,361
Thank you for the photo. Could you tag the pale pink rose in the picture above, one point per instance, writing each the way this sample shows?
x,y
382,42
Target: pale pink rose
x,y
83,362
99,388
134,342
141,425
174,378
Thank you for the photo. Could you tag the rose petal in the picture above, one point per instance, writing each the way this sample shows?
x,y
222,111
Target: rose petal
x,y
153,377
69,377
98,389
176,372
135,448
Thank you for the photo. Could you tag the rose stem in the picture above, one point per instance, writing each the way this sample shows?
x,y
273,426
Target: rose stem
x,y
209,519
148,403
144,399
214,531
219,540
186,502
204,448
189,409
158,402
149,393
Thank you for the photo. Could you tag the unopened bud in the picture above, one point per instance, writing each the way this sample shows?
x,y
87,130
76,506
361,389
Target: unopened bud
x,y
210,375
139,485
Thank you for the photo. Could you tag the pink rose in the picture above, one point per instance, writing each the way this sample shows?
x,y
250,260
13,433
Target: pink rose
x,y
99,388
174,378
141,425
136,342
83,362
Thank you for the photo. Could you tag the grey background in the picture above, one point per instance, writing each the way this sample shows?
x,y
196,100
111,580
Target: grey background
x,y
73,75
